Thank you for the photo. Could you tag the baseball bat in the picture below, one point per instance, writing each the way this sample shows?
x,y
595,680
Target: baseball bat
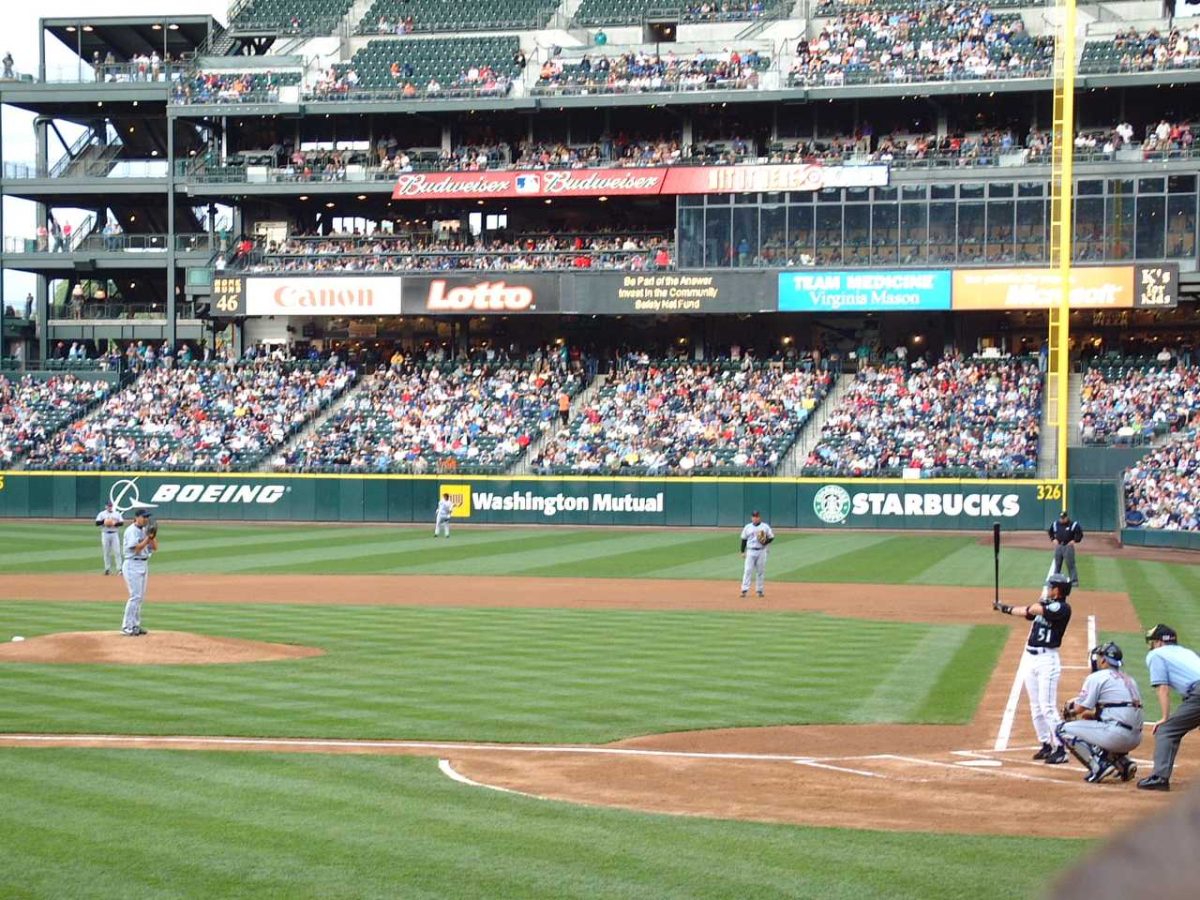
x,y
996,557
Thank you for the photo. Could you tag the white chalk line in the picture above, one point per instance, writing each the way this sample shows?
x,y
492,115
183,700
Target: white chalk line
x,y
1010,708
821,765
1091,633
999,773
447,769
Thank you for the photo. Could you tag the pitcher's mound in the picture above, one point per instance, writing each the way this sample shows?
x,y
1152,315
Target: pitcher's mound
x,y
158,648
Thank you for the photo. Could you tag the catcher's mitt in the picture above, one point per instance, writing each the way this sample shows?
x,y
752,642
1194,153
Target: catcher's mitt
x,y
1069,712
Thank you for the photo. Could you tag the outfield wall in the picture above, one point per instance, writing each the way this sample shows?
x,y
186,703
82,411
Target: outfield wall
x,y
785,502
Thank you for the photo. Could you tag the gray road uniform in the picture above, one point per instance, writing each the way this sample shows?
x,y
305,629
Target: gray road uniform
x,y
136,570
109,521
755,537
1117,728
441,524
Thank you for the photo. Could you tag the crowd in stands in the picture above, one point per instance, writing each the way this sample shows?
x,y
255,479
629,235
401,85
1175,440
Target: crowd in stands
x,y
232,87
928,40
1162,490
688,418
341,82
722,11
1131,403
220,416
955,417
1177,49
384,252
32,410
454,416
641,71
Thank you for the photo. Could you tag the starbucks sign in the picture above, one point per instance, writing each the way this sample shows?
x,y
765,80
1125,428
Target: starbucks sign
x,y
832,504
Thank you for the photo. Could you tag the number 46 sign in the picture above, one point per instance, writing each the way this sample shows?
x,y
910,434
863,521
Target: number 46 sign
x,y
229,297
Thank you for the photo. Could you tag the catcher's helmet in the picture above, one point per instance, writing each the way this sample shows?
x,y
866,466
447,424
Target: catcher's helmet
x,y
1062,582
1110,652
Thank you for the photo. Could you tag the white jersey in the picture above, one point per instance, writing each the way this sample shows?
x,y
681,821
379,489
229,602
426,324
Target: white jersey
x,y
751,535
445,509
112,514
134,535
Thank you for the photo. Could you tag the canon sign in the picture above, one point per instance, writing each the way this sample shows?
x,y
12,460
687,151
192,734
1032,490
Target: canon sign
x,y
323,296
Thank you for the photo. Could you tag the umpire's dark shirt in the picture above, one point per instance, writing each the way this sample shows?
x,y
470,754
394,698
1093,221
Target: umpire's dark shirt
x,y
1064,532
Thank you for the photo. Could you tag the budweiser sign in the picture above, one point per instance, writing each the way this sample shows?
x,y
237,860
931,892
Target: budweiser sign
x,y
633,181
323,296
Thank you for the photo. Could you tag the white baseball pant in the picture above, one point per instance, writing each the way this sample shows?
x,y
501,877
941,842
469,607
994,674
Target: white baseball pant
x,y
441,524
136,572
110,551
1041,672
756,568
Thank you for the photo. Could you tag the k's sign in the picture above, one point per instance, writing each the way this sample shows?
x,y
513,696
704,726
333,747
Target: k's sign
x,y
864,291
338,295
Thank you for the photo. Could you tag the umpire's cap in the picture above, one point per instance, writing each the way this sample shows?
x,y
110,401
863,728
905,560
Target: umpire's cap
x,y
1064,515
1161,632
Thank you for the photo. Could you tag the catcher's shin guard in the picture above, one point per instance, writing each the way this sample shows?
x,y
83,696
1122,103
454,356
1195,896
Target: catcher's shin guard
x,y
1082,750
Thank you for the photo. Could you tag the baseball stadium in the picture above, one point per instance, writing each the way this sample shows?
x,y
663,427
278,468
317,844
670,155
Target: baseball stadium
x,y
600,448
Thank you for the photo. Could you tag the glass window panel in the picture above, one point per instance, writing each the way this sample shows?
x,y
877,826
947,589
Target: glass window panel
x,y
970,191
1151,186
745,235
1118,214
772,230
885,233
1000,231
1031,231
1089,229
1089,188
1151,227
857,250
1120,186
801,234
745,199
886,193
943,236
691,200
941,192
1181,184
691,237
800,197
717,199
971,232
1000,189
717,250
829,235
1031,189
914,191
914,233
829,195
1181,227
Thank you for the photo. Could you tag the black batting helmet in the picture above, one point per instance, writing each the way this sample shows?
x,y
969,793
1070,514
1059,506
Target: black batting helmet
x,y
1062,581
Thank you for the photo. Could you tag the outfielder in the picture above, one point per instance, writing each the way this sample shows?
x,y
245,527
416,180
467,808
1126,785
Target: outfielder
x,y
141,541
109,521
1104,723
756,535
445,509
1040,663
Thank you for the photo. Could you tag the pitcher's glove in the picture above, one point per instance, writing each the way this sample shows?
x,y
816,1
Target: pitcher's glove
x,y
152,530
1070,711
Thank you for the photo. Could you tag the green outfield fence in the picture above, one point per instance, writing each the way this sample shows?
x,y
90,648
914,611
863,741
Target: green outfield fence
x,y
785,502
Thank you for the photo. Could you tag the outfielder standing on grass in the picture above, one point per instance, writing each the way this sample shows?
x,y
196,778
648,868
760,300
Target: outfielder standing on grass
x,y
1178,668
441,521
756,535
141,540
109,521
1040,663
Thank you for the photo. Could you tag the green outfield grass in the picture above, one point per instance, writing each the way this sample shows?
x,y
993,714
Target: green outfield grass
x,y
128,824
142,824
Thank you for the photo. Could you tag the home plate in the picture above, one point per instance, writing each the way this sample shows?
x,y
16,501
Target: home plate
x,y
982,763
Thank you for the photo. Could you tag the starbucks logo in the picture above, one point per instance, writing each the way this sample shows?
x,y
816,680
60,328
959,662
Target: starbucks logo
x,y
832,504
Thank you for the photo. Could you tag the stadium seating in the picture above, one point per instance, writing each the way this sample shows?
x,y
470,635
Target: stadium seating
x,y
1130,51
830,8
291,16
634,12
1129,402
31,411
1162,490
685,418
226,87
640,72
209,417
444,417
957,418
448,61
386,16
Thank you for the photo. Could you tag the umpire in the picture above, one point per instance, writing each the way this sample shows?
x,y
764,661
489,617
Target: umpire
x,y
1171,667
1065,534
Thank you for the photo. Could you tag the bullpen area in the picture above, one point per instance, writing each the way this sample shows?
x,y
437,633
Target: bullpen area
x,y
556,712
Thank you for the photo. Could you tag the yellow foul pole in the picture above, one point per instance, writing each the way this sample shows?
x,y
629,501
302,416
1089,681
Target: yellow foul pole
x,y
1061,243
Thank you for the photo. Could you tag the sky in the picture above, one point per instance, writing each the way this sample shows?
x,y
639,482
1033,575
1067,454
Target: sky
x,y
20,38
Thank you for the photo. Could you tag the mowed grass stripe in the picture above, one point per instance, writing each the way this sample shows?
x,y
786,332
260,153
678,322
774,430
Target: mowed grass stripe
x,y
956,693
473,674
534,552
906,679
271,825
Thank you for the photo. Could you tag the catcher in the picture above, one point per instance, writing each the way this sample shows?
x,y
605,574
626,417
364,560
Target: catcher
x,y
756,535
1104,723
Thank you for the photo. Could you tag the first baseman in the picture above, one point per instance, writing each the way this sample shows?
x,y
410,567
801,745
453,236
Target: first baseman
x,y
445,509
1040,663
756,535
1104,723
141,540
109,521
